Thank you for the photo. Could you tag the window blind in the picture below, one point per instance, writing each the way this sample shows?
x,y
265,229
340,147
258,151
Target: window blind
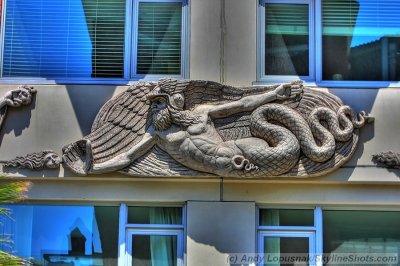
x,y
64,38
361,40
370,17
286,19
287,39
159,38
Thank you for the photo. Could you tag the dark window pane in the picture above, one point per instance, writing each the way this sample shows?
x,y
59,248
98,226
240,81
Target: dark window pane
x,y
292,250
361,40
155,215
53,235
361,232
154,250
286,39
64,38
159,38
286,217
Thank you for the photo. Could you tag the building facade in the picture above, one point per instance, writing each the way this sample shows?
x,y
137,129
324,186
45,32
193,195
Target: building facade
x,y
79,54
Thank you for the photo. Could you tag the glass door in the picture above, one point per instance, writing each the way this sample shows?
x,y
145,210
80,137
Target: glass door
x,y
278,248
154,248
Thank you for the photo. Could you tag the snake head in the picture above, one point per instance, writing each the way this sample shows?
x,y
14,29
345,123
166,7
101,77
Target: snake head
x,y
367,117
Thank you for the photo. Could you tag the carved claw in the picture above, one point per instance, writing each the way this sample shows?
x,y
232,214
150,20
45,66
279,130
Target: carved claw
x,y
366,117
291,90
89,156
78,156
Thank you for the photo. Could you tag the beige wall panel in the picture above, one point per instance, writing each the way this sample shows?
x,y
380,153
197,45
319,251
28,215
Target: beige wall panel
x,y
230,229
312,194
57,116
123,191
205,37
240,42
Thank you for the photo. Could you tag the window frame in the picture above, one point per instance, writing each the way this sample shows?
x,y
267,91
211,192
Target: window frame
x,y
184,41
318,223
126,231
289,234
261,76
130,233
130,51
315,49
316,251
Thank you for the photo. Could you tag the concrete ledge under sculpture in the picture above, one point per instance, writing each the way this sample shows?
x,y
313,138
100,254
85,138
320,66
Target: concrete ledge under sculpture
x,y
200,128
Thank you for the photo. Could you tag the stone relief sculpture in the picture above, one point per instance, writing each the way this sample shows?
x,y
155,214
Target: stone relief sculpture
x,y
36,161
387,159
198,128
15,98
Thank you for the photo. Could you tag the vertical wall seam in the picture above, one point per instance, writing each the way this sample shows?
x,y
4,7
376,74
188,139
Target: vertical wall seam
x,y
221,189
222,43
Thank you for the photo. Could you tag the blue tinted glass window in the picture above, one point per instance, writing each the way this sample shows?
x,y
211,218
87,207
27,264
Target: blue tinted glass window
x,y
64,38
62,235
361,40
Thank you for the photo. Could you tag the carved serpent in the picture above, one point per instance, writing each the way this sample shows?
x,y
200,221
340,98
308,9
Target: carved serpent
x,y
282,153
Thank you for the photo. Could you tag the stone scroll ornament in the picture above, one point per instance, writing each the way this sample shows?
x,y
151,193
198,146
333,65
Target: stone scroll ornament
x,y
36,161
202,128
388,159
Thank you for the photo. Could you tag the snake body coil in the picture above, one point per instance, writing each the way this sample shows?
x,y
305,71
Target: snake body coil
x,y
288,135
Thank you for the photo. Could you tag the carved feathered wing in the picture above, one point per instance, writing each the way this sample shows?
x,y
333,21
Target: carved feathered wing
x,y
3,112
119,125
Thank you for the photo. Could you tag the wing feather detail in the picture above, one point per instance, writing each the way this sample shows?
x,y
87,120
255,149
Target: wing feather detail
x,y
119,125
127,115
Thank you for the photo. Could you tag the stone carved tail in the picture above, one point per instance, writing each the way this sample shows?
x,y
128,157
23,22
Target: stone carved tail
x,y
296,134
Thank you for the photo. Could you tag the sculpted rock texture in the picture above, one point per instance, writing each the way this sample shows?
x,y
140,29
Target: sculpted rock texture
x,y
388,159
200,128
36,161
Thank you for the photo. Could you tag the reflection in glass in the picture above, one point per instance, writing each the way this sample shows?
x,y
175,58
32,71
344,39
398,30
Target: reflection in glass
x,y
154,215
286,39
361,40
295,249
154,250
64,39
63,235
286,217
361,232
159,38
